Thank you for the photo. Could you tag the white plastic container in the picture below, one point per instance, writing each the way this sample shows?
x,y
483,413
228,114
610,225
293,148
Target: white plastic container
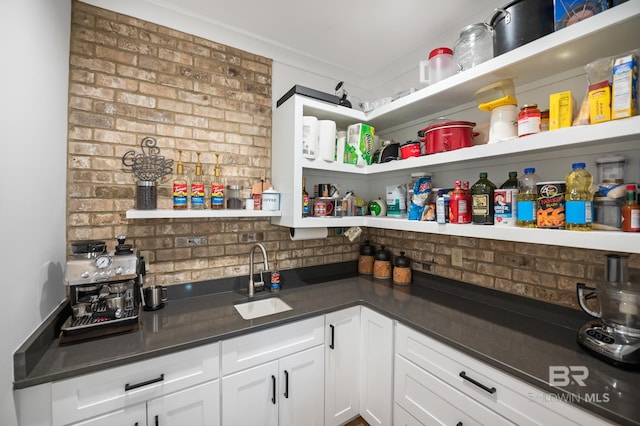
x,y
439,66
309,137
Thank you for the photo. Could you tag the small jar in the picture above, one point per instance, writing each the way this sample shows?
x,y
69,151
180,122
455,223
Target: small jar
x,y
382,264
366,258
529,119
402,270
234,200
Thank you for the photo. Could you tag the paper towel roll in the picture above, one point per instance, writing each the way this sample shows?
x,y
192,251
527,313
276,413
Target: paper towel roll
x,y
327,140
298,234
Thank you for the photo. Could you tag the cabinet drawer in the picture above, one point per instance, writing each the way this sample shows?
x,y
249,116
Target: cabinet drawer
x,y
113,389
252,349
514,399
434,402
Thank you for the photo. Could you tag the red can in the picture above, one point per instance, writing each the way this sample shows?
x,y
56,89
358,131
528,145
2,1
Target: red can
x,y
410,149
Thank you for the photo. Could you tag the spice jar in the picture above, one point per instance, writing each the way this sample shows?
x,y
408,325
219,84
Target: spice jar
x,y
402,270
529,119
382,264
365,261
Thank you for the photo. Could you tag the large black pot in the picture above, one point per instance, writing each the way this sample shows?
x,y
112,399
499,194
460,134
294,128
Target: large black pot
x,y
520,22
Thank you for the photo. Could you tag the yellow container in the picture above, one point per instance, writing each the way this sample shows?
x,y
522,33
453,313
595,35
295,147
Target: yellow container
x,y
560,110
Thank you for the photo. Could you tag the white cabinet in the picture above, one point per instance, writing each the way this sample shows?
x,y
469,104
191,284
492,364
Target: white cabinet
x,y
605,34
376,367
120,392
342,366
439,385
275,376
197,406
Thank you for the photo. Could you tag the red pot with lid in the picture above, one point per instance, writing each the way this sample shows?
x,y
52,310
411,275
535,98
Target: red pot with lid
x,y
447,136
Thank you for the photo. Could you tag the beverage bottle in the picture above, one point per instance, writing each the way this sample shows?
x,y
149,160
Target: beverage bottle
x,y
305,198
527,198
631,211
458,205
275,277
180,186
579,199
217,188
512,182
482,201
466,187
197,187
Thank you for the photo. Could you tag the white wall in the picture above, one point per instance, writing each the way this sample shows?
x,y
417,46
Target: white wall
x,y
34,35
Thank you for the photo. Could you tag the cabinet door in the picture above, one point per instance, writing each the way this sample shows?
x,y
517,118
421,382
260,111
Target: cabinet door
x,y
342,366
195,406
133,415
376,363
250,397
301,393
402,418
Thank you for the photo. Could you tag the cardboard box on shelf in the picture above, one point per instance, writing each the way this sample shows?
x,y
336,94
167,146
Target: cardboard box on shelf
x,y
625,86
560,110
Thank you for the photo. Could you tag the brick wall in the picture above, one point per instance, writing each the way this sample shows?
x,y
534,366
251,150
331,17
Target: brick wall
x,y
131,79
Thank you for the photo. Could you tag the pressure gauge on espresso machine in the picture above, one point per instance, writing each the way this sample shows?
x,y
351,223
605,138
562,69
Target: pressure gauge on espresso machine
x,y
103,261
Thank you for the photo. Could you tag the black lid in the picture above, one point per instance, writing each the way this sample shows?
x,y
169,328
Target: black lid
x,y
402,261
367,249
383,254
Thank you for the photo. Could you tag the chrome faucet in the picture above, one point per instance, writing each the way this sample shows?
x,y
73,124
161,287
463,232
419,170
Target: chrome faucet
x,y
252,284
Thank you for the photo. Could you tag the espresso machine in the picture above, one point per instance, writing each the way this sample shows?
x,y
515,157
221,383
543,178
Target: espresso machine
x,y
104,290
614,334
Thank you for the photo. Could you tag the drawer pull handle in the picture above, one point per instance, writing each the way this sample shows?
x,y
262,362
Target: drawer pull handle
x,y
273,382
157,422
286,384
333,329
480,385
129,387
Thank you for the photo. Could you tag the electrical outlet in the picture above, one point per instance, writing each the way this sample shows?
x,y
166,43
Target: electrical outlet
x,y
147,256
456,257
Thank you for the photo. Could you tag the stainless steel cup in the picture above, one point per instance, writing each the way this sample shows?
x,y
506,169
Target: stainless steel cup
x,y
155,297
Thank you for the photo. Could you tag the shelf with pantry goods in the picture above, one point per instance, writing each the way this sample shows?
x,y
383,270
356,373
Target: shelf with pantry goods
x,y
609,33
189,214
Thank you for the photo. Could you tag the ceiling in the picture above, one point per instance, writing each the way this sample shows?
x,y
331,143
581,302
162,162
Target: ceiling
x,y
365,39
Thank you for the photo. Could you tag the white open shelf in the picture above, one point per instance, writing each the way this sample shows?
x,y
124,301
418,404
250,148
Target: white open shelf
x,y
187,214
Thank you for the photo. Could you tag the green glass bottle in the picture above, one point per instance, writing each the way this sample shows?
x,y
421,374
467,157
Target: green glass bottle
x,y
482,201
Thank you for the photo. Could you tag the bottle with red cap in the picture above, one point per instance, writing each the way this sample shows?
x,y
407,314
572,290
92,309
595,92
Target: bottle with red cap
x,y
458,204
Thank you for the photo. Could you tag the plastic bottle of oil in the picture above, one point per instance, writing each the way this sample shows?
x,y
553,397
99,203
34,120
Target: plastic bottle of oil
x,y
579,199
180,186
527,198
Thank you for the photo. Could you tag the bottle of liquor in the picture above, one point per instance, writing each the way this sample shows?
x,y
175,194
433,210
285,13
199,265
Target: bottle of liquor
x,y
305,198
180,186
275,276
197,187
482,201
631,211
217,187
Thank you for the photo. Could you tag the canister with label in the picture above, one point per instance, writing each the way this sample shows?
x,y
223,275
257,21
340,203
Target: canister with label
x,y
551,204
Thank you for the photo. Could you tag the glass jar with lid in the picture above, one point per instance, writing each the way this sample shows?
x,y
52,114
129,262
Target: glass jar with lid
x,y
473,46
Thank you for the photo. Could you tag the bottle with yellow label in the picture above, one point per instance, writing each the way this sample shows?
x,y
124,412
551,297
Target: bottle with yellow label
x,y
180,186
197,187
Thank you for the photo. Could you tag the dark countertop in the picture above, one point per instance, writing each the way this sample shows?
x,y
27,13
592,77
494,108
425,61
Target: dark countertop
x,y
519,336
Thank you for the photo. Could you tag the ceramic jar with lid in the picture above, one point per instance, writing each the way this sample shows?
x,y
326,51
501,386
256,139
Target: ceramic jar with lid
x,y
382,264
402,270
366,258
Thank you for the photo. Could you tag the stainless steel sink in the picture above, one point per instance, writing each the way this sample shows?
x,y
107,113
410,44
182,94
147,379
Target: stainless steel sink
x,y
262,308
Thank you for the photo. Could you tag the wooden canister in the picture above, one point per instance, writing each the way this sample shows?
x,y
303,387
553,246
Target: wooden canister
x,y
402,270
366,259
382,264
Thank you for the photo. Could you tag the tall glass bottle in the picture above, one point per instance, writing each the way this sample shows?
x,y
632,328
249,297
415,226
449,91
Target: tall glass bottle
x,y
512,182
217,187
482,201
305,198
527,198
180,186
579,199
197,187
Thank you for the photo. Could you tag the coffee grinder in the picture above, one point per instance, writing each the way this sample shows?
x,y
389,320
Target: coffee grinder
x,y
614,334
